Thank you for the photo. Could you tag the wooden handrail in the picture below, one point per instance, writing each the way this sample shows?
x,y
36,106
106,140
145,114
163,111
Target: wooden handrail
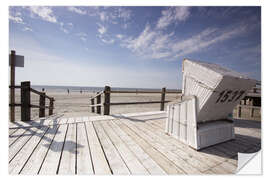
x,y
14,86
26,101
40,93
142,92
98,94
107,91
249,106
15,104
38,106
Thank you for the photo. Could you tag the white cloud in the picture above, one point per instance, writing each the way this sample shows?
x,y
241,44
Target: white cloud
x,y
77,10
150,44
102,29
62,28
173,15
205,39
107,41
82,36
119,36
103,16
124,13
16,19
142,41
114,16
44,13
156,44
103,35
27,29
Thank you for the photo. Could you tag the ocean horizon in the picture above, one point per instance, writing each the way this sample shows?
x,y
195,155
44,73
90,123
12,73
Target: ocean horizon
x,y
90,88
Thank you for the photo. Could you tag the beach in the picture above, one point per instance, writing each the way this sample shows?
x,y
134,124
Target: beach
x,y
77,104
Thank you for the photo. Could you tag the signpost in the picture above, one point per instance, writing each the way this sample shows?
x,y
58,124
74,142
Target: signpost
x,y
14,61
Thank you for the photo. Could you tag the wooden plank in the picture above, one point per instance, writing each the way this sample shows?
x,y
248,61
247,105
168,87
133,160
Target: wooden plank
x,y
63,121
151,166
35,161
11,131
71,120
15,136
144,114
204,157
100,164
229,167
81,119
20,124
100,118
21,158
177,160
163,161
209,172
84,160
171,147
115,161
219,170
133,164
51,161
67,165
54,121
18,144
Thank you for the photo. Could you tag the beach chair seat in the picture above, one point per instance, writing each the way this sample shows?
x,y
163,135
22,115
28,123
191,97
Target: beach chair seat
x,y
210,92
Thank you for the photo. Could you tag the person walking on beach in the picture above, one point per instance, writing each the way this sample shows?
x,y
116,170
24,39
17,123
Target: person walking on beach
x,y
68,91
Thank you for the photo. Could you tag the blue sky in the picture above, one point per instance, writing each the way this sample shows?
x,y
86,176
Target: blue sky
x,y
131,46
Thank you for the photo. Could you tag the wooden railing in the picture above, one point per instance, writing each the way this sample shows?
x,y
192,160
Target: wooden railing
x,y
107,99
239,110
26,101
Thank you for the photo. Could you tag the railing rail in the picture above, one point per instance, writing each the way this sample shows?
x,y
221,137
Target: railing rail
x,y
107,99
26,101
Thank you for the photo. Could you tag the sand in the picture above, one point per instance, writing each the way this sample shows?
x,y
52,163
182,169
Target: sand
x,y
77,104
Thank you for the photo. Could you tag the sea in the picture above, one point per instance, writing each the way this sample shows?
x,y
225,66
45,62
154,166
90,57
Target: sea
x,y
89,88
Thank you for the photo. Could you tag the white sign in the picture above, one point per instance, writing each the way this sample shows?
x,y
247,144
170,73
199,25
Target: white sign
x,y
19,61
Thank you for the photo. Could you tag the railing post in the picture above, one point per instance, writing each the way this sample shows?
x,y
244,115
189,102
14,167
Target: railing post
x,y
251,111
107,100
12,84
163,92
239,111
51,106
98,102
42,103
92,103
25,101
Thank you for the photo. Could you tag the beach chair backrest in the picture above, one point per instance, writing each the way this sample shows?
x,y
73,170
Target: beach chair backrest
x,y
217,89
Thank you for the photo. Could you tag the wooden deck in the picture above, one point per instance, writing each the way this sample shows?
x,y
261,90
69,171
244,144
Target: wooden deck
x,y
119,144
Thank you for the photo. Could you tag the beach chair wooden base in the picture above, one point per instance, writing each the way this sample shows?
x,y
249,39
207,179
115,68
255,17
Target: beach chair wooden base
x,y
182,124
